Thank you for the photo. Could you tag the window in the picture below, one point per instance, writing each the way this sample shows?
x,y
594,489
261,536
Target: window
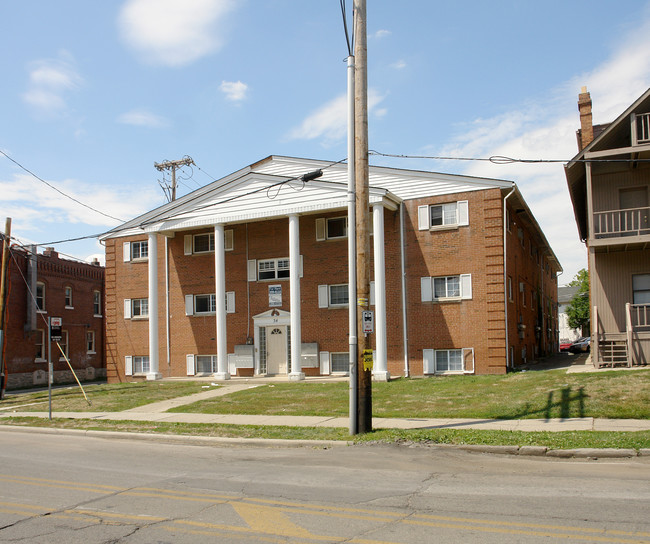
x,y
340,362
641,289
97,303
141,364
139,250
510,289
63,343
331,228
442,361
137,307
333,295
207,304
68,297
204,304
40,296
39,341
206,364
447,287
90,341
508,220
448,215
273,269
443,288
203,243
520,235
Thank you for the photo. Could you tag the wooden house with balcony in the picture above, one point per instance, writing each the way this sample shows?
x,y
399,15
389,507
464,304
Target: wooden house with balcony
x,y
609,180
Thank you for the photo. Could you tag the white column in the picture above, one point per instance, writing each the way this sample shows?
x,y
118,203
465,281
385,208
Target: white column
x,y
294,286
220,290
380,367
153,373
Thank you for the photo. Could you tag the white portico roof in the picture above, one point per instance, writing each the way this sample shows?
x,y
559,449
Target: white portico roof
x,y
271,188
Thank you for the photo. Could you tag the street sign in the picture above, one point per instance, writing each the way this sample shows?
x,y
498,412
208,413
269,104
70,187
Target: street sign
x,y
367,359
368,320
55,328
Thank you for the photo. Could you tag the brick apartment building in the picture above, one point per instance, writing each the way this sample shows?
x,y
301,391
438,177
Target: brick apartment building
x,y
42,286
203,285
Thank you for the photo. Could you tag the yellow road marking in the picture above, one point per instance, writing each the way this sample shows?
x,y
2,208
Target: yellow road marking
x,y
264,519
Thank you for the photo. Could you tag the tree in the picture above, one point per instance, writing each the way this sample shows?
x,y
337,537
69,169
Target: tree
x,y
578,309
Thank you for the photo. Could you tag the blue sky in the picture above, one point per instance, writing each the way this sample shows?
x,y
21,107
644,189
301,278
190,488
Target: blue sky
x,y
94,93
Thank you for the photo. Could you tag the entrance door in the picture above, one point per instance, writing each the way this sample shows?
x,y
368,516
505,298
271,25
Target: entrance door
x,y
276,350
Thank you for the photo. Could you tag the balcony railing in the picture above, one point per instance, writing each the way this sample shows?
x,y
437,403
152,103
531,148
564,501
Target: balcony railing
x,y
639,316
629,222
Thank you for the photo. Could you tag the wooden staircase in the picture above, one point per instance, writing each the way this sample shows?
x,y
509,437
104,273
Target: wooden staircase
x,y
611,353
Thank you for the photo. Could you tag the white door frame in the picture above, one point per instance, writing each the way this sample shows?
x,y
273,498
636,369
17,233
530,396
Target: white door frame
x,y
268,319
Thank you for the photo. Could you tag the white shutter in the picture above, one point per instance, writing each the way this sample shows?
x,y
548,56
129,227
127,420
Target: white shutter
x,y
230,302
229,240
372,293
127,308
191,371
189,304
466,286
128,365
324,357
187,244
428,362
323,296
126,251
423,217
252,270
468,360
426,290
463,213
320,229
301,260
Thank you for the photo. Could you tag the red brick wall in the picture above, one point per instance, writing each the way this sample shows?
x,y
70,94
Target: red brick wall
x,y
56,274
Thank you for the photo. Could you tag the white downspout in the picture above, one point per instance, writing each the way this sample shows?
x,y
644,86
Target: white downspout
x,y
403,272
505,274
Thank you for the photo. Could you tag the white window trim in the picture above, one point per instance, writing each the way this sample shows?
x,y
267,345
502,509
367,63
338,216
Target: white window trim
x,y
462,216
252,269
40,310
128,309
331,364
65,295
325,296
127,252
92,351
100,303
427,292
189,242
64,334
41,359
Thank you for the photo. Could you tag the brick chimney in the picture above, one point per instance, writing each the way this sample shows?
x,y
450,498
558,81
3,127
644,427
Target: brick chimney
x,y
586,132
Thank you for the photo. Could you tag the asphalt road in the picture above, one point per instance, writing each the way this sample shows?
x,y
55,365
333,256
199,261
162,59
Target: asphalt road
x,y
78,489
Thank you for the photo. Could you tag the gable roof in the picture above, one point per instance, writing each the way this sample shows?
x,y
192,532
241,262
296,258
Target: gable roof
x,y
272,188
614,141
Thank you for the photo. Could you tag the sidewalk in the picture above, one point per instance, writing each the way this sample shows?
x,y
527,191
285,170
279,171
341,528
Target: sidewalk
x,y
157,412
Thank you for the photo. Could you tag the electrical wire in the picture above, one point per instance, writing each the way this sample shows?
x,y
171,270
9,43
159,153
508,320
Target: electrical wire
x,y
59,190
349,40
498,159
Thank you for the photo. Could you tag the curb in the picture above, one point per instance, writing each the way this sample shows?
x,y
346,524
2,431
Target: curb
x,y
534,451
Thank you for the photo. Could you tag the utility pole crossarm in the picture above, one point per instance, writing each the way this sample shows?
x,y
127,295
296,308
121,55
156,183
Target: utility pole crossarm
x,y
173,165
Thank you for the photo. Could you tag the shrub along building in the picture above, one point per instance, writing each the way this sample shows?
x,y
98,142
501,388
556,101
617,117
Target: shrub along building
x,y
43,286
463,279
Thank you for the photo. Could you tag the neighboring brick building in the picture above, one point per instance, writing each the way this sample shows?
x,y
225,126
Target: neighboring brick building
x,y
442,234
43,286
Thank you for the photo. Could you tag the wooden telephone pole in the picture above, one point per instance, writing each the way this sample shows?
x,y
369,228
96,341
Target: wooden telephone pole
x,y
364,371
173,165
3,305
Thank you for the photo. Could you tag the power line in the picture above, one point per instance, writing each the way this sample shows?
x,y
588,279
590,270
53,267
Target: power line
x,y
59,190
498,159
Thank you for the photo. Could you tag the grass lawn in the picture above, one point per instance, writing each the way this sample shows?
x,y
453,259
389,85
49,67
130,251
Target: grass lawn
x,y
520,395
557,440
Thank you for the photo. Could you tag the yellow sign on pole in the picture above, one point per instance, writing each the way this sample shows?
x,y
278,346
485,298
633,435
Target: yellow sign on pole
x,y
367,359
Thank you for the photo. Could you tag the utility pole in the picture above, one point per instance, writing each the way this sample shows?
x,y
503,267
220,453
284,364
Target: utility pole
x,y
364,370
173,165
3,305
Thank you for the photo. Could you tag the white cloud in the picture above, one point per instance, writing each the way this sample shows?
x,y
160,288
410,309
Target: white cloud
x,y
173,32
546,129
143,118
382,33
330,121
399,65
234,90
50,80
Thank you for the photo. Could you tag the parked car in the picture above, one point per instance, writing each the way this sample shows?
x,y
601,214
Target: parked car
x,y
564,346
581,345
